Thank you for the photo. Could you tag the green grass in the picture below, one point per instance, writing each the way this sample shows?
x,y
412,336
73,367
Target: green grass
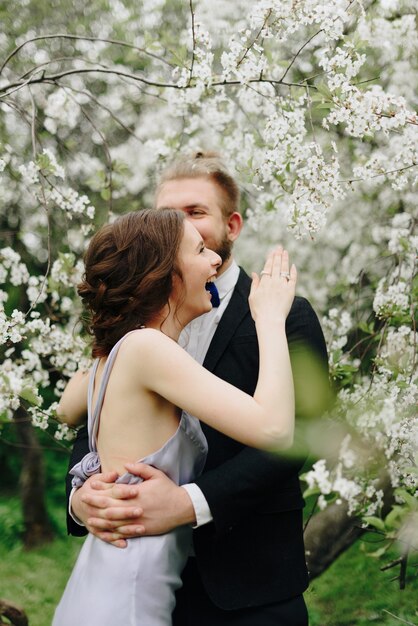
x,y
35,580
352,592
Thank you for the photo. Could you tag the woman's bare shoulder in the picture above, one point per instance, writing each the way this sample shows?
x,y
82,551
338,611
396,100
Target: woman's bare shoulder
x,y
145,337
150,343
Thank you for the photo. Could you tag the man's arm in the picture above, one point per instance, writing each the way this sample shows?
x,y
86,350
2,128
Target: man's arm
x,y
237,488
80,448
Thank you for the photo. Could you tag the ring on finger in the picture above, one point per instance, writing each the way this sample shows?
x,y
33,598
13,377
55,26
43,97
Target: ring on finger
x,y
285,275
264,273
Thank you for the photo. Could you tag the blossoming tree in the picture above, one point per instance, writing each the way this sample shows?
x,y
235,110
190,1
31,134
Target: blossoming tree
x,y
313,104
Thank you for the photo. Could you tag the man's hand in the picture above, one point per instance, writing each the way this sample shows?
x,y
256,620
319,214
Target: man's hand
x,y
89,501
114,512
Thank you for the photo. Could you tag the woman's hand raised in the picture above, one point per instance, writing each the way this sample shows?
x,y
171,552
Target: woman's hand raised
x,y
272,292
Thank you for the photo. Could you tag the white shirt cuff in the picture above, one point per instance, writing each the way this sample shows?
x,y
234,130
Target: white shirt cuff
x,y
200,505
70,511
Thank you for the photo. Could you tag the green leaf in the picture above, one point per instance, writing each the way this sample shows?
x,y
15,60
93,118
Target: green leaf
x,y
317,97
376,522
366,328
393,518
324,105
324,90
410,500
380,552
43,161
67,259
120,167
105,193
30,396
4,419
312,491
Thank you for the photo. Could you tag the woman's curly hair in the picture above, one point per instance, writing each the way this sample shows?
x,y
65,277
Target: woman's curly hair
x,y
129,267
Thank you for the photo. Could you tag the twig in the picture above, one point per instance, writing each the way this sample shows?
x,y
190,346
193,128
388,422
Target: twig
x,y
44,204
402,571
193,41
414,325
391,564
298,53
401,169
404,621
255,38
108,158
16,86
83,38
33,70
104,107
309,102
51,62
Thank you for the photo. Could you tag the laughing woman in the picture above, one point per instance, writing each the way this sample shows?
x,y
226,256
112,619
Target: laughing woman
x,y
145,279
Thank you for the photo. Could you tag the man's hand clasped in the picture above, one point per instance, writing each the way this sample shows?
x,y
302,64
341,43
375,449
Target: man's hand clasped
x,y
115,512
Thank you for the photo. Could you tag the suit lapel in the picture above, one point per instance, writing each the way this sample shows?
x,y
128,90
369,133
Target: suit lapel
x,y
234,313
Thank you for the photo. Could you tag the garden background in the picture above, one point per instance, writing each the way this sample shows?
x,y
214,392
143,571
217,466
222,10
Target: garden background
x,y
313,106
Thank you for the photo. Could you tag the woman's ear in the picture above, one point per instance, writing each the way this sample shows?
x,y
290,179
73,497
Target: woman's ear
x,y
234,225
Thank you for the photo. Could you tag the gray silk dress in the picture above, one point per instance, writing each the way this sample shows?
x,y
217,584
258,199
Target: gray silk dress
x,y
134,586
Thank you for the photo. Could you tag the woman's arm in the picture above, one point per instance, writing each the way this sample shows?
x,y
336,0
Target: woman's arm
x,y
265,420
72,408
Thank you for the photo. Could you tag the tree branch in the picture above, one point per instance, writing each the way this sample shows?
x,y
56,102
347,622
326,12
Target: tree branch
x,y
298,53
193,41
101,106
55,77
106,151
116,42
255,38
44,204
332,531
401,169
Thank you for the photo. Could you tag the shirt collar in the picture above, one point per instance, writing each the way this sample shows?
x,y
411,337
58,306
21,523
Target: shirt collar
x,y
227,280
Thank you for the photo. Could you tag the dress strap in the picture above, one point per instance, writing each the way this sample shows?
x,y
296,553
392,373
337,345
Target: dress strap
x,y
93,414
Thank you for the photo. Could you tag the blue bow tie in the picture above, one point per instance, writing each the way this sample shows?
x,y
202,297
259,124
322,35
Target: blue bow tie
x,y
213,290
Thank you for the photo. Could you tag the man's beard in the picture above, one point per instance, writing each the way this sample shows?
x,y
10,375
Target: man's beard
x,y
224,248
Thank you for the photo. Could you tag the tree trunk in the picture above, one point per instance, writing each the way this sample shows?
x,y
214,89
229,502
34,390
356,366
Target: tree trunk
x,y
332,531
32,485
329,533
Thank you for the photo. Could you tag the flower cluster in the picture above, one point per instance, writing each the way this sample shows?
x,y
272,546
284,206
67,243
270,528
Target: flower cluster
x,y
46,163
60,111
281,18
12,268
72,202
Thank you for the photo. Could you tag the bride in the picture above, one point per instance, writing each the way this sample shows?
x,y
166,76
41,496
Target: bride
x,y
146,278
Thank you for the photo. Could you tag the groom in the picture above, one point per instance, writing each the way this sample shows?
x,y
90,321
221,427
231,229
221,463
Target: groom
x,y
248,567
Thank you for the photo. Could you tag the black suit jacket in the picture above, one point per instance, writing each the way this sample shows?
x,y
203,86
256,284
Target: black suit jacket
x,y
252,553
